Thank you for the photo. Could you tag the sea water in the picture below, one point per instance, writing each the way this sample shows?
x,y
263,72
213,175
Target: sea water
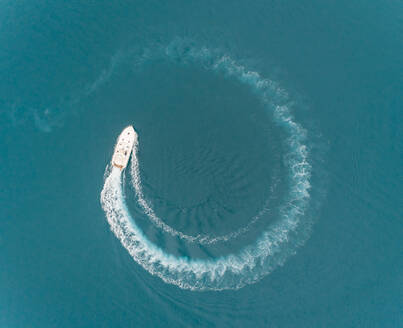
x,y
264,188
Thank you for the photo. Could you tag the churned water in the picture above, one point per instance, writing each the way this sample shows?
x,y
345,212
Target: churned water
x,y
264,188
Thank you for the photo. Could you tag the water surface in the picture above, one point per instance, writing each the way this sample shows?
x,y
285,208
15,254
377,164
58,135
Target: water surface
x,y
250,117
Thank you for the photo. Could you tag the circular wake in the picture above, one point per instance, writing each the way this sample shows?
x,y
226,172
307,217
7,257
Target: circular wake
x,y
254,261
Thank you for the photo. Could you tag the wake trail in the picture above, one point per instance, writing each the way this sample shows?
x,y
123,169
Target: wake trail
x,y
271,248
232,271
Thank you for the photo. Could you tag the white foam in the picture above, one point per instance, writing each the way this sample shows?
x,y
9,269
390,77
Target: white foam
x,y
255,260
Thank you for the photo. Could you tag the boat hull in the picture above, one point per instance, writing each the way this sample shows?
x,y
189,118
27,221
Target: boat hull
x,y
124,147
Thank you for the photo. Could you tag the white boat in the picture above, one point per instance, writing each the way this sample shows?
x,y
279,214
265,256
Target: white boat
x,y
124,147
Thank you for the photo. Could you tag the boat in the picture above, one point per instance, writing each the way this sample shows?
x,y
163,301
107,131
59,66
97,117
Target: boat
x,y
124,147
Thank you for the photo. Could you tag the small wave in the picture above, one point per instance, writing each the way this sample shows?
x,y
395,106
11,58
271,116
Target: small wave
x,y
201,238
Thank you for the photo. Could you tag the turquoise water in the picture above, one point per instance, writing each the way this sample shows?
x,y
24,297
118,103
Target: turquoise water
x,y
264,189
